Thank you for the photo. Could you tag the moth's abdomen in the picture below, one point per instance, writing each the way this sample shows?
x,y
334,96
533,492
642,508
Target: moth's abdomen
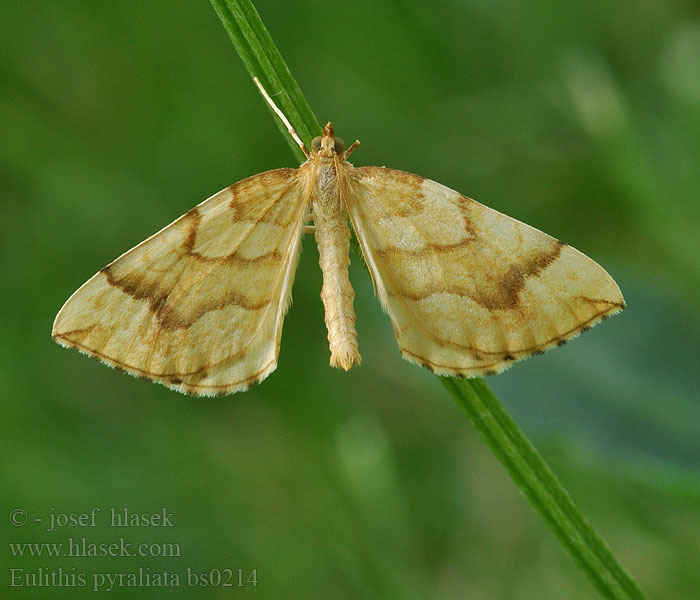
x,y
333,240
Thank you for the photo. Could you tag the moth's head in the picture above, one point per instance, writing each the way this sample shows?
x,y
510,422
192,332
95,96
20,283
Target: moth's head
x,y
328,145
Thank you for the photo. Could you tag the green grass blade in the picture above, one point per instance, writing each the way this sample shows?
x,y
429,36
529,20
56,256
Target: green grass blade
x,y
522,462
541,487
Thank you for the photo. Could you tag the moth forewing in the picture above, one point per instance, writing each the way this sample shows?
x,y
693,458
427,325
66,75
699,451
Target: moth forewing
x,y
468,289
199,305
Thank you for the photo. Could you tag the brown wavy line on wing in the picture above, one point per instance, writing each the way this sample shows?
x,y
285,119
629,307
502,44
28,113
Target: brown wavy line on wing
x,y
168,316
504,292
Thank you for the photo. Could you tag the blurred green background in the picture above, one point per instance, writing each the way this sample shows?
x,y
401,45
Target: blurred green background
x,y
582,119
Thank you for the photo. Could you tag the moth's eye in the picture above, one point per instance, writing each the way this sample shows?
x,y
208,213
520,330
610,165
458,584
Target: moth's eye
x,y
339,145
316,143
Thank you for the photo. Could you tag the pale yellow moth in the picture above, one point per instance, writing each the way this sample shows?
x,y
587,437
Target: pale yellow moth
x,y
198,307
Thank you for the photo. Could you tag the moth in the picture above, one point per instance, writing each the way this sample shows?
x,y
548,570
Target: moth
x,y
199,306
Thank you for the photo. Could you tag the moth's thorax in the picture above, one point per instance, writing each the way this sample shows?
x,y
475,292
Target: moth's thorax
x,y
326,169
327,199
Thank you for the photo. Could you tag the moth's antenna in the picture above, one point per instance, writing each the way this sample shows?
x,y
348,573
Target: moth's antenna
x,y
280,114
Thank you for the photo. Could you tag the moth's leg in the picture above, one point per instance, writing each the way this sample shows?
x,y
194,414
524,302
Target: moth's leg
x,y
351,149
309,228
